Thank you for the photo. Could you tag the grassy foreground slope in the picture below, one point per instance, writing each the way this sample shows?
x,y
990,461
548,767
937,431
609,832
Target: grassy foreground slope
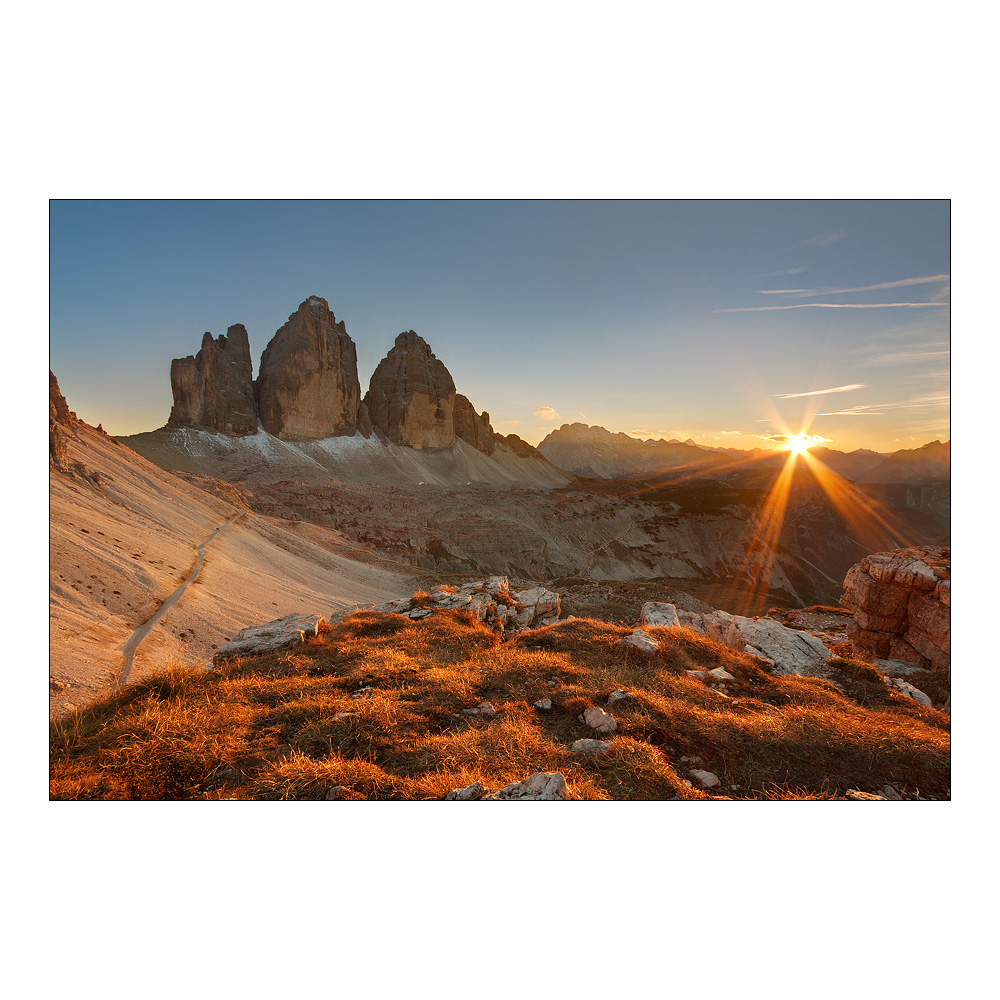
x,y
374,705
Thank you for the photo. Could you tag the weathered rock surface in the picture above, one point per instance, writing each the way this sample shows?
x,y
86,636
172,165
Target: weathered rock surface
x,y
543,786
786,650
308,385
411,396
705,778
901,602
598,720
539,607
640,641
279,634
590,747
471,793
61,421
659,614
214,388
473,427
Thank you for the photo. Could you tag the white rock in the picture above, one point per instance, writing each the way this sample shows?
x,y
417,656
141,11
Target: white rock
x,y
721,674
468,794
544,704
279,634
905,687
659,614
487,709
696,675
495,584
540,787
787,650
616,695
335,793
641,641
590,746
705,778
598,719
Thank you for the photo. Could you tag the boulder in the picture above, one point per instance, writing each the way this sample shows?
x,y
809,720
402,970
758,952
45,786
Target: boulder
x,y
659,614
411,396
599,720
308,385
213,389
901,603
279,634
540,606
590,747
786,650
540,787
617,695
470,793
705,778
640,641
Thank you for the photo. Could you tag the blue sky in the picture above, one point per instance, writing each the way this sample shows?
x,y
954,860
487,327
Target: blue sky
x,y
725,321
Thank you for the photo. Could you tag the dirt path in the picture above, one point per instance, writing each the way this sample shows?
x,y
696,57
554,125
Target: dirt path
x,y
128,650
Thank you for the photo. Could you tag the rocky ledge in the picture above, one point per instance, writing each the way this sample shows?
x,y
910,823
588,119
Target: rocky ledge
x,y
901,601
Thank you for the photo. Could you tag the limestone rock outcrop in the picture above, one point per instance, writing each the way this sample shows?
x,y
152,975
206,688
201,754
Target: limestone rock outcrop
x,y
901,601
473,427
61,420
411,397
308,386
214,388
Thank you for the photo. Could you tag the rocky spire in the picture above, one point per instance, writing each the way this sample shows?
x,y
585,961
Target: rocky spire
x,y
308,385
214,389
411,397
62,420
473,427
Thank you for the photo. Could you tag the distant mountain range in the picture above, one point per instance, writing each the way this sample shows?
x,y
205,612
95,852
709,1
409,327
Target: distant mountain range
x,y
597,452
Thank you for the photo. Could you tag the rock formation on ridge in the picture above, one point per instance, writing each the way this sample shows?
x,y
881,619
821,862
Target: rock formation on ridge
x,y
411,397
307,387
61,420
473,427
214,389
902,606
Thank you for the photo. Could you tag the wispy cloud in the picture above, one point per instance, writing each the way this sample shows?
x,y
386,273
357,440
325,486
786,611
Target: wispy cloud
x,y
546,413
785,273
505,423
823,239
931,399
881,286
819,392
837,305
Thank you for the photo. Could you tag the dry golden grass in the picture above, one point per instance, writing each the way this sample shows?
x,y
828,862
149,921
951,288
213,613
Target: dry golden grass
x,y
374,705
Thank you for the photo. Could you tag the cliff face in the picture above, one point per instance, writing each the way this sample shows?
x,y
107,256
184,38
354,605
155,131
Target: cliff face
x,y
214,388
411,397
61,420
308,383
902,606
473,427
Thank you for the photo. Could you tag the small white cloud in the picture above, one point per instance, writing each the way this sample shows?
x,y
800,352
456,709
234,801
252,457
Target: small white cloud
x,y
546,413
505,423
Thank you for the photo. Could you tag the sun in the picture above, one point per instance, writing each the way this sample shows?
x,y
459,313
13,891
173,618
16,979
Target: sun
x,y
799,444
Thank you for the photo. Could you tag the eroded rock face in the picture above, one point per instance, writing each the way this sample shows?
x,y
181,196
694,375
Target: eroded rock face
x,y
61,420
411,397
214,388
473,427
308,385
901,602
